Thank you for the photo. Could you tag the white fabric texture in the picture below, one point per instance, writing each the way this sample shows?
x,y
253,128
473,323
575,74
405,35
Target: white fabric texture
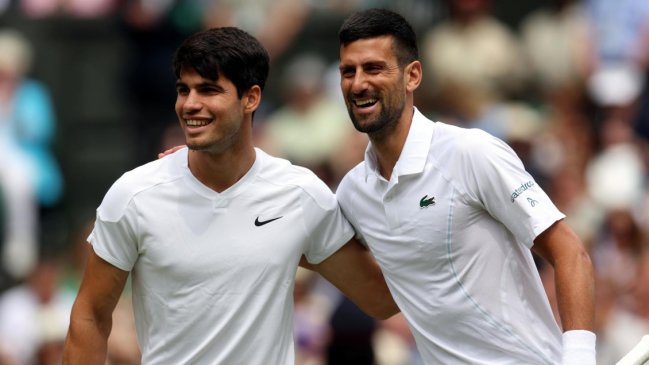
x,y
578,348
209,285
451,231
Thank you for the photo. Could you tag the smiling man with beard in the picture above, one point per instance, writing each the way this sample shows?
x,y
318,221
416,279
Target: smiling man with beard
x,y
433,202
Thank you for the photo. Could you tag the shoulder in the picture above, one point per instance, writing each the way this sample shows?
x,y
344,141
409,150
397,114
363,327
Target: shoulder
x,y
463,151
31,86
283,174
32,95
136,181
464,141
351,186
352,178
485,148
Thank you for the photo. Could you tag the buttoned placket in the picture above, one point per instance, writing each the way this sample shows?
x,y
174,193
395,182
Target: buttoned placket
x,y
390,202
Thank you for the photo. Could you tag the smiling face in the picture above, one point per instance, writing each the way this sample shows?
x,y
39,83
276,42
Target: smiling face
x,y
210,112
373,84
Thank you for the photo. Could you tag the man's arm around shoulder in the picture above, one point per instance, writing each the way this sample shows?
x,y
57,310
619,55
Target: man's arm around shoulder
x,y
353,270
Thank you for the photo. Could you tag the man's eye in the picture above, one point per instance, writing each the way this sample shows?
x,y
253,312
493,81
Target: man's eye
x,y
347,72
209,90
372,69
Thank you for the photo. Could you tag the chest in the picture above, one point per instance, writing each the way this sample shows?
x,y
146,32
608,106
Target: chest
x,y
194,240
414,223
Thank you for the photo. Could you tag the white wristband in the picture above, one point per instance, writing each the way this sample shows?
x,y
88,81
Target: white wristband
x,y
578,348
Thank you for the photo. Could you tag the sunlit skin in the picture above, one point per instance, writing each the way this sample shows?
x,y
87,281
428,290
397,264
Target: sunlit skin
x,y
372,83
213,104
218,127
378,93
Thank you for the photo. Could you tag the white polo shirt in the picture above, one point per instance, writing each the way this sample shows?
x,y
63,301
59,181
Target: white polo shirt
x,y
213,273
451,231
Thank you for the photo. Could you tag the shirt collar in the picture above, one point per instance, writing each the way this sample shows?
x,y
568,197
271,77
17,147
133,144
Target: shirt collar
x,y
412,159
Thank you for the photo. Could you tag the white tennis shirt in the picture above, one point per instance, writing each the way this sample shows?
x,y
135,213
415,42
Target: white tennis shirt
x,y
213,273
451,231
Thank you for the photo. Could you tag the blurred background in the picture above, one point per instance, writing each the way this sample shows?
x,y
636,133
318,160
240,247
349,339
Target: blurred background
x,y
87,93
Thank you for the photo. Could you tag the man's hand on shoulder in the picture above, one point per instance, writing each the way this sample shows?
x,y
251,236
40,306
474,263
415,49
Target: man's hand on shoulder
x,y
169,151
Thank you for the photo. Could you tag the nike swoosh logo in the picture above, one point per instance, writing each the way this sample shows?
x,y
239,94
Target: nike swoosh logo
x,y
259,223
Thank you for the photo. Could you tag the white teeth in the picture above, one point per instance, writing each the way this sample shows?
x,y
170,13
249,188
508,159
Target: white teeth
x,y
196,123
365,102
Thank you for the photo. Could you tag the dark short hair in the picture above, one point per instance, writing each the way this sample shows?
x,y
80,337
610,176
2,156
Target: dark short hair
x,y
226,51
373,23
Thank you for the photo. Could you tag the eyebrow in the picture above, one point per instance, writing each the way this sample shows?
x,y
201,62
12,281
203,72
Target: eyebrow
x,y
376,63
180,83
381,63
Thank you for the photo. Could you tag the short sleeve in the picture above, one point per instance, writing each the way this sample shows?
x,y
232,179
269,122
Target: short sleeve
x,y
498,180
114,236
327,227
345,200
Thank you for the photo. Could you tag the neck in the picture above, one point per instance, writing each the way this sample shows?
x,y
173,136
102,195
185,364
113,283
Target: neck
x,y
388,146
219,171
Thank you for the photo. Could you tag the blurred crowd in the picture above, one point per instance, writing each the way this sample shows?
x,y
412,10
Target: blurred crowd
x,y
566,85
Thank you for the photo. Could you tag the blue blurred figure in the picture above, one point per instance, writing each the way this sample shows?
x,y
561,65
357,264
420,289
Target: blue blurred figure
x,y
27,119
30,178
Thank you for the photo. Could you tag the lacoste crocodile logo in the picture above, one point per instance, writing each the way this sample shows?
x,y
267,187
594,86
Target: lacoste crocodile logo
x,y
259,223
424,202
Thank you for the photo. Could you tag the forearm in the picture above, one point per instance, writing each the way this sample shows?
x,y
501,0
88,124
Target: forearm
x,y
576,293
573,275
355,273
371,295
86,342
384,306
574,282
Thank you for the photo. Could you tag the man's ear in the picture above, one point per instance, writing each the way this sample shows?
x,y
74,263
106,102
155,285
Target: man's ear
x,y
413,75
251,99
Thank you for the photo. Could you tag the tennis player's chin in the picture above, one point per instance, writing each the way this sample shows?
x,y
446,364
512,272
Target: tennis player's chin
x,y
365,119
194,145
